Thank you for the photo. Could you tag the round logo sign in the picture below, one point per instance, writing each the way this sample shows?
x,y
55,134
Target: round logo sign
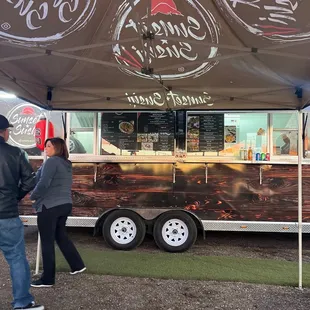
x,y
24,118
188,23
43,22
278,20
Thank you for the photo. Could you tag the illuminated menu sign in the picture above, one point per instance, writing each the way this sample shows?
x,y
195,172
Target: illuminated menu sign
x,y
119,129
205,133
156,131
146,131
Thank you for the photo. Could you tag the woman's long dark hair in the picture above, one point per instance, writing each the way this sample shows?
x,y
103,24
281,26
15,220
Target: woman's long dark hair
x,y
60,146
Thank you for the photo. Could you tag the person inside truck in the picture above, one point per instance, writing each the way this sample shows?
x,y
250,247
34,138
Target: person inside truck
x,y
285,149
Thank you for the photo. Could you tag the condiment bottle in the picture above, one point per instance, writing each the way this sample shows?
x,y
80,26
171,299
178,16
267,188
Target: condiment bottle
x,y
241,153
245,154
250,154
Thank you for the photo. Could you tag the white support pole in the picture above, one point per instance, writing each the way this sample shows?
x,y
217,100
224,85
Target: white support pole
x,y
47,115
68,130
38,255
300,158
95,136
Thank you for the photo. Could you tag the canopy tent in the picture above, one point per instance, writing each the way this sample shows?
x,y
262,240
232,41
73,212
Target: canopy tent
x,y
156,54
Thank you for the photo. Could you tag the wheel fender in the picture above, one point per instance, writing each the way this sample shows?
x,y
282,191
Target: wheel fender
x,y
198,223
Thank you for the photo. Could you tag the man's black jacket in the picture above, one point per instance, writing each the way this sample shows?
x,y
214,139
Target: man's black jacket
x,y
16,179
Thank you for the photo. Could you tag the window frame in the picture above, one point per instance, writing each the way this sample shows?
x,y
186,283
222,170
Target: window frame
x,y
269,133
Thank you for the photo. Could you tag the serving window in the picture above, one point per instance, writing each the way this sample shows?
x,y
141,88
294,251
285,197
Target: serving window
x,y
194,133
81,132
284,134
226,134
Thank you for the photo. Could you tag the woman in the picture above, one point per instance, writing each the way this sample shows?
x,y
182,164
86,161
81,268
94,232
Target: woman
x,y
53,203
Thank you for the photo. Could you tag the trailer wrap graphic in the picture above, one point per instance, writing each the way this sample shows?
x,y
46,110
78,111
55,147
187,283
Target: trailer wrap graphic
x,y
232,192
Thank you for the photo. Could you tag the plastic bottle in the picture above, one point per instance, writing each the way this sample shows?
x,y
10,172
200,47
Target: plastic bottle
x,y
245,154
250,154
242,150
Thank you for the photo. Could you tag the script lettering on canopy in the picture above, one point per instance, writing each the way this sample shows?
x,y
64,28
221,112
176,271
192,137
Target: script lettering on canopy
x,y
30,22
171,99
280,20
185,20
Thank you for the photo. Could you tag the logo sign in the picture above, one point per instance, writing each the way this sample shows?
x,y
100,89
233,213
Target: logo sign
x,y
171,99
43,22
189,22
24,118
278,20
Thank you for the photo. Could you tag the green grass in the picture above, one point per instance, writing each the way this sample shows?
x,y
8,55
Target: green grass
x,y
190,267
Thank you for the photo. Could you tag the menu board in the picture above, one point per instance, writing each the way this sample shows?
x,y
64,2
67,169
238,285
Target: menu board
x,y
156,131
120,130
146,131
205,133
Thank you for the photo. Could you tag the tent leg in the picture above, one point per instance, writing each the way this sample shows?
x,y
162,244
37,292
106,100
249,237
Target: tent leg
x,y
300,158
38,255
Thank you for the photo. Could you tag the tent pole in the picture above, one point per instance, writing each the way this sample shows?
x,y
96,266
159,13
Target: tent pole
x,y
47,115
38,255
300,158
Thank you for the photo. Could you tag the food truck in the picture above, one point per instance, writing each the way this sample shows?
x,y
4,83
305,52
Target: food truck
x,y
180,115
173,174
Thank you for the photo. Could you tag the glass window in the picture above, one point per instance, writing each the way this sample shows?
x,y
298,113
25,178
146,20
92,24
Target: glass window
x,y
82,133
227,134
307,134
285,133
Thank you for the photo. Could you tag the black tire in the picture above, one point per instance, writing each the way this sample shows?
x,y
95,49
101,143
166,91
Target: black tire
x,y
123,230
180,231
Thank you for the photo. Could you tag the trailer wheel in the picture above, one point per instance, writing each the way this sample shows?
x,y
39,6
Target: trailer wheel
x,y
175,231
123,230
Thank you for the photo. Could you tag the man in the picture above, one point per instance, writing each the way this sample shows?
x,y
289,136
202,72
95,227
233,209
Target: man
x,y
16,180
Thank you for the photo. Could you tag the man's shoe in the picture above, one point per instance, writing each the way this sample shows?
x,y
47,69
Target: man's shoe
x,y
40,283
78,271
31,306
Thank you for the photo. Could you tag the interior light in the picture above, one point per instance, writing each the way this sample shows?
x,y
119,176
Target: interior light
x,y
210,104
6,95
